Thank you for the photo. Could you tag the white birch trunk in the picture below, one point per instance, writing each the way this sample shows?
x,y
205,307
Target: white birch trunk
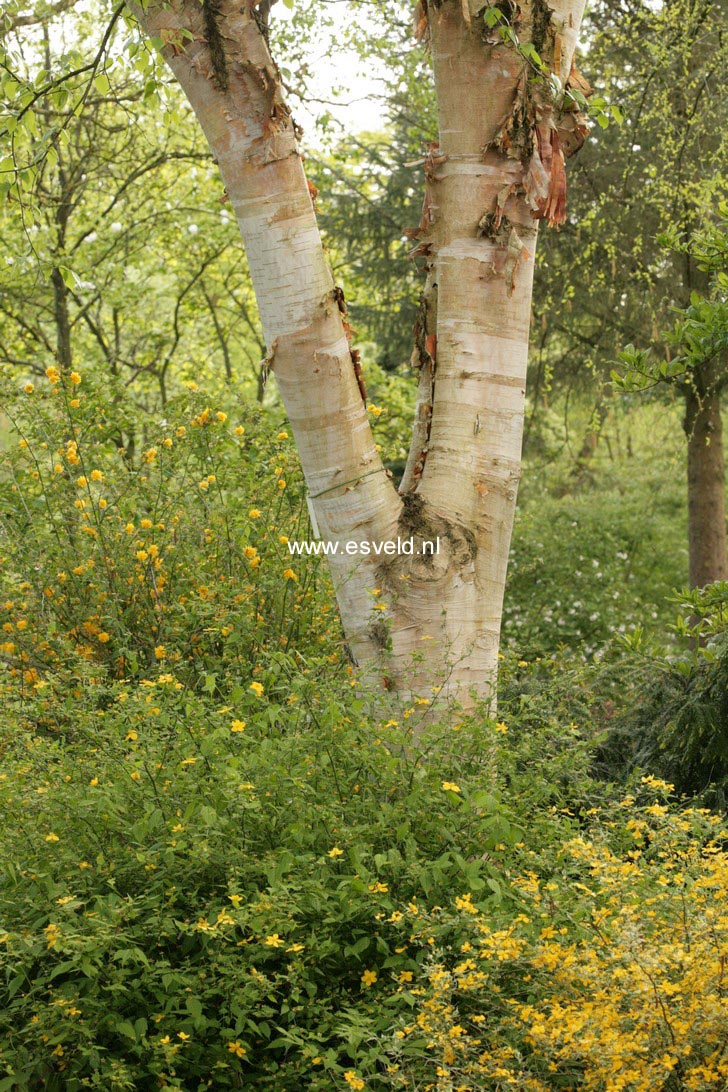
x,y
252,137
483,202
486,185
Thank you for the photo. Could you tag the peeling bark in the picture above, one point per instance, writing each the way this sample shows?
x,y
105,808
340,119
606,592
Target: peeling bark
x,y
480,251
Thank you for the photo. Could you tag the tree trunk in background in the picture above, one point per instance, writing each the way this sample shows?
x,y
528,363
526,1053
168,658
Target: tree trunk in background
x,y
416,622
581,471
706,487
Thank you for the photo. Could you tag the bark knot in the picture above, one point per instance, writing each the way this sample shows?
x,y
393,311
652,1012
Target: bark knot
x,y
419,522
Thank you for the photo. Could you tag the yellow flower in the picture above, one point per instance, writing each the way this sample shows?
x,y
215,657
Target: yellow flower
x,y
501,727
282,435
94,782
96,476
131,735
160,652
136,776
53,374
274,941
237,1048
237,726
81,482
290,575
369,978
102,503
52,933
336,852
354,1082
239,430
450,786
296,948
254,513
146,524
75,378
281,483
183,1036
74,403
222,417
104,638
29,388
250,552
52,837
257,688
130,528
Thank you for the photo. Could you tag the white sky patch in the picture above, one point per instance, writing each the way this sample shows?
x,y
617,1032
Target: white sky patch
x,y
333,68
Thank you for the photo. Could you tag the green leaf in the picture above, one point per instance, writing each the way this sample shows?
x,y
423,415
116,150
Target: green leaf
x,y
69,277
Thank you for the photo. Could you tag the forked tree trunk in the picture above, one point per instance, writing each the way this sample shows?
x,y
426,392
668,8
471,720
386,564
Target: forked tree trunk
x,y
498,167
706,487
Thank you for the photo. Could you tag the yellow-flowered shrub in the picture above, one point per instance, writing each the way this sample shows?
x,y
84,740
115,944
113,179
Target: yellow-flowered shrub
x,y
116,555
611,974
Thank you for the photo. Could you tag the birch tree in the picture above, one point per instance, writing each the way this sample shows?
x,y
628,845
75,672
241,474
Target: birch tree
x,y
510,111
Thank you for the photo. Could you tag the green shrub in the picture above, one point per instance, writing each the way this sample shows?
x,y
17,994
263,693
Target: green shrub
x,y
676,724
201,889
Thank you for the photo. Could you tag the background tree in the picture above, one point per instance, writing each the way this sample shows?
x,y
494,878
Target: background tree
x,y
606,280
89,242
697,366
